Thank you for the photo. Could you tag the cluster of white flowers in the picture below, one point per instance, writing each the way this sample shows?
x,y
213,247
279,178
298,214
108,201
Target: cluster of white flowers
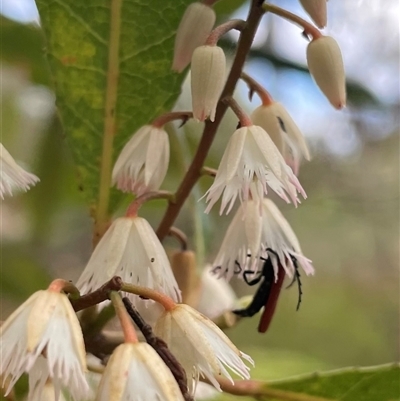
x,y
265,152
43,337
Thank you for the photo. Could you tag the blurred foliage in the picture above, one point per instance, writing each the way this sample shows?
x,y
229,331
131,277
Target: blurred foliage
x,y
23,45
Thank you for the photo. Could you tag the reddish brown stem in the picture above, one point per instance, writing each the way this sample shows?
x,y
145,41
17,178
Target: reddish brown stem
x,y
209,3
210,129
222,29
254,86
100,295
243,117
160,121
180,236
134,207
309,29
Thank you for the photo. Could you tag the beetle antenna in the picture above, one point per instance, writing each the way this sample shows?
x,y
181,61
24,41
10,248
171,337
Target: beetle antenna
x,y
296,278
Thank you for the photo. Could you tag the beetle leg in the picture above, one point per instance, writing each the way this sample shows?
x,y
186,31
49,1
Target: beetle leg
x,y
238,265
251,282
296,278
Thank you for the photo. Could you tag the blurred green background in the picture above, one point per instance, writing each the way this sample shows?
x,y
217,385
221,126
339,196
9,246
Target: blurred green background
x,y
348,226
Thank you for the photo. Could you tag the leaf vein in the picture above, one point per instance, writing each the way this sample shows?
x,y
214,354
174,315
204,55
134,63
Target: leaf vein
x,y
81,118
149,47
82,21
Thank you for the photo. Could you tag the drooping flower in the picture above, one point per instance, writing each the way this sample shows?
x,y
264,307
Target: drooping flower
x,y
136,372
251,161
130,249
196,24
254,229
143,162
286,135
41,387
216,296
207,80
200,346
316,9
13,176
325,63
45,325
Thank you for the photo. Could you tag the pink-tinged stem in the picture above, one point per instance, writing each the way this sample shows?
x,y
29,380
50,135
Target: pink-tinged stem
x,y
134,207
222,29
309,29
160,121
145,292
59,285
243,117
180,236
209,3
270,306
124,318
254,86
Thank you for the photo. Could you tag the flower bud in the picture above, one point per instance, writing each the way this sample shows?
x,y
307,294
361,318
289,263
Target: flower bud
x,y
283,131
208,78
195,26
316,9
325,63
183,264
217,297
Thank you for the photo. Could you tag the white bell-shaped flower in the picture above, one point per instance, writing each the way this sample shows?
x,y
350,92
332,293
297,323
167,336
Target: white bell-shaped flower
x,y
130,249
251,161
45,324
196,24
136,372
143,162
207,80
216,296
325,63
200,346
41,387
254,229
13,176
316,9
283,131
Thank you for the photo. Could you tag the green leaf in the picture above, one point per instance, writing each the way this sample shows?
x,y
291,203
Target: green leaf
x,y
111,62
378,383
